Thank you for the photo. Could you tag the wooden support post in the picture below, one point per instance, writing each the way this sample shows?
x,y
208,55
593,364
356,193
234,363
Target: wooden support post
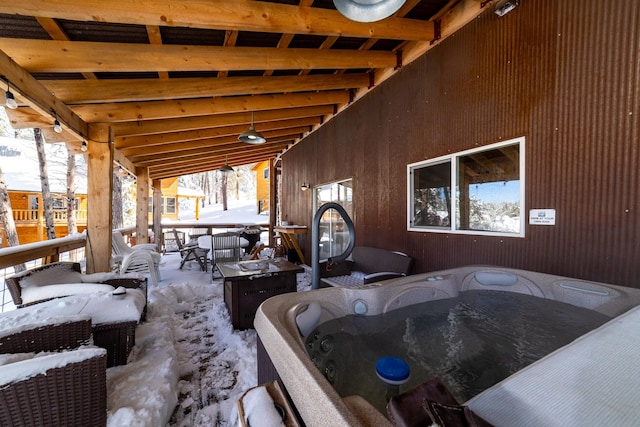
x,y
142,205
273,201
100,193
157,213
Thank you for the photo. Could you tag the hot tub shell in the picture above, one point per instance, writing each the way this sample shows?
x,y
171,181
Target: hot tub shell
x,y
314,397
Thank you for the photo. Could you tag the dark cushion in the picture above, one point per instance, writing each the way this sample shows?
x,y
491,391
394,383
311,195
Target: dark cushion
x,y
431,403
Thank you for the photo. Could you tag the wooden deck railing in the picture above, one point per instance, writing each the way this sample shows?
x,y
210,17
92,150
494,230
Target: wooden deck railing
x,y
33,215
72,247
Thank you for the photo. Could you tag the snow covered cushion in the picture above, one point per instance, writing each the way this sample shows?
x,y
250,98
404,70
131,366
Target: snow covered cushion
x,y
40,292
61,273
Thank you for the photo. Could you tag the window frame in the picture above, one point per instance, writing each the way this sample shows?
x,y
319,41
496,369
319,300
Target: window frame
x,y
454,162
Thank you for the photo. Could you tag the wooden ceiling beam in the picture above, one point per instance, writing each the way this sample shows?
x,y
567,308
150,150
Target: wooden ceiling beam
x,y
58,56
154,110
149,127
205,167
239,15
149,141
39,98
212,163
130,90
161,152
231,152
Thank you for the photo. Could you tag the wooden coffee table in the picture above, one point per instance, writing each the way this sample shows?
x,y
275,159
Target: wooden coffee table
x,y
247,284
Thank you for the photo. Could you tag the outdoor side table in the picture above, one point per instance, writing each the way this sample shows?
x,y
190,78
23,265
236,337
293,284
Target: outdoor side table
x,y
247,284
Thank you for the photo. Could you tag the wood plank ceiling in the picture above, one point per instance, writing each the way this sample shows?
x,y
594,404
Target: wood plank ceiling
x,y
173,83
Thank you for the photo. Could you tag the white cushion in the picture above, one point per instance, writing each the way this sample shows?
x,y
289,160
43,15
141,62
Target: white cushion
x,y
39,293
51,276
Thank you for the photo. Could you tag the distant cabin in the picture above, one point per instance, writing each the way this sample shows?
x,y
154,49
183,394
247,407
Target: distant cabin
x,y
262,186
28,214
171,196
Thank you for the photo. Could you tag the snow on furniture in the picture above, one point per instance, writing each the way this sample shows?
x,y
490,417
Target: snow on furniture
x,y
50,334
61,279
42,386
113,318
366,265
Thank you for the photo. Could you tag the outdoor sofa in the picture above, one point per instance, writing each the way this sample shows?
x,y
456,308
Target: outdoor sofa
x,y
114,317
365,265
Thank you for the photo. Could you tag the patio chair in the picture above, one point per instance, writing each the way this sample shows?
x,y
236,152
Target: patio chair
x,y
225,247
63,388
141,258
141,262
191,252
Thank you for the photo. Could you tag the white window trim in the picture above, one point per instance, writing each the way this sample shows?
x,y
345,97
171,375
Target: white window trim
x,y
452,158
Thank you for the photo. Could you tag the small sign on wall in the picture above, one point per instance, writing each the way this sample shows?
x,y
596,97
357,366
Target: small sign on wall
x,y
542,216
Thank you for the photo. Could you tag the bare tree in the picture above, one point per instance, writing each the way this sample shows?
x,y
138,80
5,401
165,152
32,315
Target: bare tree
x,y
6,216
44,181
72,226
116,204
223,190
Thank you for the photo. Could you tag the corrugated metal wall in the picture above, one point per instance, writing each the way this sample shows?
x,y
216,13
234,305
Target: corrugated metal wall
x,y
563,73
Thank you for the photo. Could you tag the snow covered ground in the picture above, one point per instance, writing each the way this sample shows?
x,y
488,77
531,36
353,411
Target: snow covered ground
x,y
189,366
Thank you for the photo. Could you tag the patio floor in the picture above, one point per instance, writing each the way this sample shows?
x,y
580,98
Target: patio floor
x,y
186,350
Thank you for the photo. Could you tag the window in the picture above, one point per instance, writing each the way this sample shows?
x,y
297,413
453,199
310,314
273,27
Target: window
x,y
169,205
334,234
60,203
488,196
265,173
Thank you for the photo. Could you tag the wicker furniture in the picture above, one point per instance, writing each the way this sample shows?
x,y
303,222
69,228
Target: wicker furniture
x,y
367,265
113,319
61,273
63,388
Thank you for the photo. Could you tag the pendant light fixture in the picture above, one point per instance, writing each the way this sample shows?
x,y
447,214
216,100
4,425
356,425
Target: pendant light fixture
x,y
57,127
252,136
226,168
10,100
368,10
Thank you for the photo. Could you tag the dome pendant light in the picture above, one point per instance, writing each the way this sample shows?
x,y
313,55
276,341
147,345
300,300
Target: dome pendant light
x,y
252,136
10,100
368,10
226,168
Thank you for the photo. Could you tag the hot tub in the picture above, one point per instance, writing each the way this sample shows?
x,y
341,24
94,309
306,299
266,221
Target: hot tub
x,y
320,405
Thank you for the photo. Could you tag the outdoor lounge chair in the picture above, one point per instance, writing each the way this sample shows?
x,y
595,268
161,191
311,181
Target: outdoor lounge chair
x,y
191,252
40,386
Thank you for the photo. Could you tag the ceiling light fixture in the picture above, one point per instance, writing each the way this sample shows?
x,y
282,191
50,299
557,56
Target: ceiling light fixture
x,y
10,100
368,10
83,146
226,168
505,6
57,127
251,136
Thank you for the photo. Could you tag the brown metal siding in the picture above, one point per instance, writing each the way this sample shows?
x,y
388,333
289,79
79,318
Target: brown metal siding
x,y
563,73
